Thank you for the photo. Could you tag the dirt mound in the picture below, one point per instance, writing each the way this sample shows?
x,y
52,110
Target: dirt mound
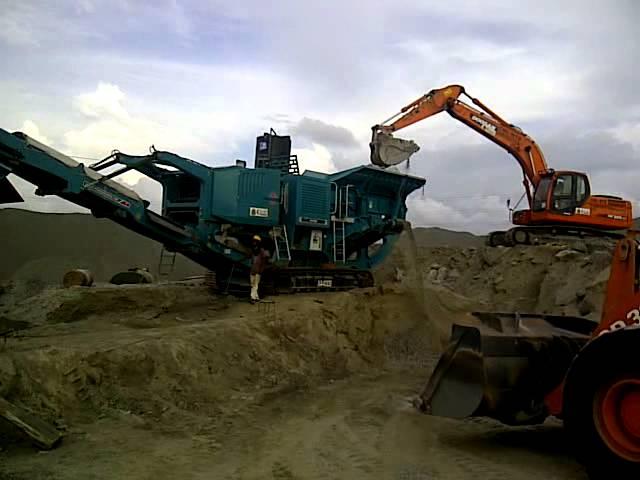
x,y
151,349
560,278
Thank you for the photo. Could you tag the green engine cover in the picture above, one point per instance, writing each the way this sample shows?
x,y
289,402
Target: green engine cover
x,y
246,196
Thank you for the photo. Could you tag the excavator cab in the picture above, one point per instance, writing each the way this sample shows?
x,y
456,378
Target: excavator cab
x,y
561,192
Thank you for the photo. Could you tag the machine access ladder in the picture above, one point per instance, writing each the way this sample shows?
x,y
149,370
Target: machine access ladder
x,y
282,252
339,219
167,262
339,241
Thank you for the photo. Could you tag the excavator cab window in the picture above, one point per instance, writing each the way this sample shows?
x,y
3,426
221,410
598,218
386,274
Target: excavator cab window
x,y
541,194
570,190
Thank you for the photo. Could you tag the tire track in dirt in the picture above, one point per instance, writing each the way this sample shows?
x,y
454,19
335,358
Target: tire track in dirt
x,y
366,428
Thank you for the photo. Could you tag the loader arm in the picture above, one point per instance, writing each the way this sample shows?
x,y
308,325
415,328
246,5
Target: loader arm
x,y
482,119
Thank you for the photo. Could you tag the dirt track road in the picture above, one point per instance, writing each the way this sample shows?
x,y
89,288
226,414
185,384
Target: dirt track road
x,y
359,428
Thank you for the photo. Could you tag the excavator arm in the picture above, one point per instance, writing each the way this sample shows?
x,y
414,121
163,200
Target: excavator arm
x,y
387,150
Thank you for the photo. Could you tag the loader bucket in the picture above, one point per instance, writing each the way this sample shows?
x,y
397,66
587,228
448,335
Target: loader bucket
x,y
504,367
386,150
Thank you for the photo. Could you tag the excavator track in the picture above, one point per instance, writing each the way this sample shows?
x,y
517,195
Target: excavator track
x,y
539,234
294,280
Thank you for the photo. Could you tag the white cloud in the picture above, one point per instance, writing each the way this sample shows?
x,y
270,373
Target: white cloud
x,y
477,214
149,190
628,132
110,126
317,158
31,129
106,99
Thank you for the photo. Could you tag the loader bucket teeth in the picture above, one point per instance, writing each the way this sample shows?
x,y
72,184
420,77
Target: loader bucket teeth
x,y
504,367
387,150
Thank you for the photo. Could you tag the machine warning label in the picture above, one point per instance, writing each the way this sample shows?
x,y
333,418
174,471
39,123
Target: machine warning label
x,y
488,127
106,195
258,212
583,211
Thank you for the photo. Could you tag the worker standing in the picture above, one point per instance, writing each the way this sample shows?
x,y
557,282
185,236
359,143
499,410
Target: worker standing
x,y
259,260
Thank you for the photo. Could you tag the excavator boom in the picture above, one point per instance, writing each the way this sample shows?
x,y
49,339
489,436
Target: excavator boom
x,y
385,148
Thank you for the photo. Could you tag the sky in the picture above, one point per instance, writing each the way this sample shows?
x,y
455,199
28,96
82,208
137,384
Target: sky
x,y
204,78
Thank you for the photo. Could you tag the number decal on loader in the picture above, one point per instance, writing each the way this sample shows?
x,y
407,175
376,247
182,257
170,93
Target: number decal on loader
x,y
633,315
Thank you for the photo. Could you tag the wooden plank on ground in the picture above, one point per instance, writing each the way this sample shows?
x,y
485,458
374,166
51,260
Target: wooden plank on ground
x,y
41,433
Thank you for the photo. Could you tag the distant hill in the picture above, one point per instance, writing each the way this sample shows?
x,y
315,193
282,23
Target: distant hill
x,y
440,237
43,246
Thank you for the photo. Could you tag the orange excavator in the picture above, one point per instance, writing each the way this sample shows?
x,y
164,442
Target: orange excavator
x,y
521,368
560,202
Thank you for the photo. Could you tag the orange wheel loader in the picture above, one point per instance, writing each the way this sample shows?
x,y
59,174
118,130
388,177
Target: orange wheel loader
x,y
522,368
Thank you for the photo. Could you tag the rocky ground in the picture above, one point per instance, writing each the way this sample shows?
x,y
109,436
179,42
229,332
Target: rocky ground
x,y
169,381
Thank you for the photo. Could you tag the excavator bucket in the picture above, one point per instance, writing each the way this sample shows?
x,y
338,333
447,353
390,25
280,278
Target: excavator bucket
x,y
386,150
504,367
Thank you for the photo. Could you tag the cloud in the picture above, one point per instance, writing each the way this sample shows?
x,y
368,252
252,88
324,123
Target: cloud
x,y
324,133
31,129
628,132
316,158
109,125
478,215
149,190
106,100
335,146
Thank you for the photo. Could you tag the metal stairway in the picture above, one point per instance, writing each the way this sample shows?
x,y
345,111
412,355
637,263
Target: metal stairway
x,y
339,241
282,252
339,220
